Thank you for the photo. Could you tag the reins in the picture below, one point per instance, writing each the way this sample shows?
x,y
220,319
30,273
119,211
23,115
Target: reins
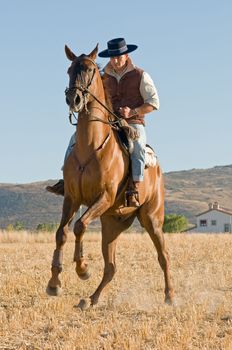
x,y
85,90
116,123
110,122
102,104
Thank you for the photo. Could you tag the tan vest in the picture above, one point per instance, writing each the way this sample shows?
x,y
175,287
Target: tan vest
x,y
125,92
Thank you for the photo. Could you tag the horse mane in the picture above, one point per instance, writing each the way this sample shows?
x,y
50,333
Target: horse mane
x,y
107,96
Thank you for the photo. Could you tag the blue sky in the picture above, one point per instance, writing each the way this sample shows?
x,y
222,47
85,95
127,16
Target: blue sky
x,y
184,45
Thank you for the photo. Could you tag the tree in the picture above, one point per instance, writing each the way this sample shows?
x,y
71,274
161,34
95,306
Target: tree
x,y
175,223
18,226
10,227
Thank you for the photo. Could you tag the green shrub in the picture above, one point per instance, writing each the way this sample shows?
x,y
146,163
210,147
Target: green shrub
x,y
175,223
47,227
18,226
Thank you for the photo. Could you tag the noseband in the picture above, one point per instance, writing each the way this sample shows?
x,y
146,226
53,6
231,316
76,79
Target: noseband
x,y
84,89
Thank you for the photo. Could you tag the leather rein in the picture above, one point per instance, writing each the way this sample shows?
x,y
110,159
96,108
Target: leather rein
x,y
85,90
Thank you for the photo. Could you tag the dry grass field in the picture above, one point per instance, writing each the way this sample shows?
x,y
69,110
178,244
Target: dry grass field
x,y
131,313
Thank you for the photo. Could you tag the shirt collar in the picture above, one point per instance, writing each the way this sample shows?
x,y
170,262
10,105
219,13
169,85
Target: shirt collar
x,y
109,69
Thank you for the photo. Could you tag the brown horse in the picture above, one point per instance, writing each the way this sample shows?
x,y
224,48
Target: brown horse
x,y
96,175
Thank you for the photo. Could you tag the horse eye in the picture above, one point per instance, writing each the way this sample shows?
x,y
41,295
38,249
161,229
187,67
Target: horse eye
x,y
90,70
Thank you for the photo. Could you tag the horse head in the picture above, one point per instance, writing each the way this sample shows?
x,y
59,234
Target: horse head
x,y
82,76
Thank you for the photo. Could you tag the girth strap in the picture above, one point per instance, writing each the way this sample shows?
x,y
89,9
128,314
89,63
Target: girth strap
x,y
83,166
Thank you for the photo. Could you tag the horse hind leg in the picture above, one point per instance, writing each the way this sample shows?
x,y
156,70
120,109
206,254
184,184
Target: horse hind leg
x,y
154,228
54,284
111,229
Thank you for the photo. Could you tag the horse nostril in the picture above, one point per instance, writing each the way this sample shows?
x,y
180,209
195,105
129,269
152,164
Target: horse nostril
x,y
67,101
77,100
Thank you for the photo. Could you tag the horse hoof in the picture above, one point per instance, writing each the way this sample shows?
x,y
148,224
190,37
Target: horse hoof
x,y
170,302
53,291
84,276
83,305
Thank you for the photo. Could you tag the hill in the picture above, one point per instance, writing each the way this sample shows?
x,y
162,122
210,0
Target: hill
x,y
187,192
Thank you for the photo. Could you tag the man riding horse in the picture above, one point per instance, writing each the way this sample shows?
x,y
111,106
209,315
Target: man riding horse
x,y
132,94
96,171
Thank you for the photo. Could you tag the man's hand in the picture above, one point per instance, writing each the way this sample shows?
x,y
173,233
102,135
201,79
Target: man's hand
x,y
127,112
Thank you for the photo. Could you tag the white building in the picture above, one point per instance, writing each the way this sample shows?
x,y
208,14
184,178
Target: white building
x,y
215,220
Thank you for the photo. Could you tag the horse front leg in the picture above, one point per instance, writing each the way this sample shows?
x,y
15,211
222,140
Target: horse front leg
x,y
94,211
54,284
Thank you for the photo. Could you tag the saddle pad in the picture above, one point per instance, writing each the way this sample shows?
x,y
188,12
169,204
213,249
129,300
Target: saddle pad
x,y
150,157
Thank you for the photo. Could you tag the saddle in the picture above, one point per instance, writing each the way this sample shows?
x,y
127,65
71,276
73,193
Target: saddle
x,y
127,146
131,194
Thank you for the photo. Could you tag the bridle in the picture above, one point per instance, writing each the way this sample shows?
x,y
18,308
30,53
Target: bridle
x,y
84,90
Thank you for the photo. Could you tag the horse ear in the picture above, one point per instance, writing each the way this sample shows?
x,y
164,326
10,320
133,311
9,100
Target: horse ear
x,y
93,54
70,55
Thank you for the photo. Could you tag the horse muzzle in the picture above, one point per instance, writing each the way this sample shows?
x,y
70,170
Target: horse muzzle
x,y
75,100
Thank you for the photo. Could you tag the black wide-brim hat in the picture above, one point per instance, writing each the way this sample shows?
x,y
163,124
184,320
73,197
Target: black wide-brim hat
x,y
117,47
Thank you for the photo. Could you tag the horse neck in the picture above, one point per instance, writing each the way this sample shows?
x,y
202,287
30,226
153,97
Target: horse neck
x,y
91,134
